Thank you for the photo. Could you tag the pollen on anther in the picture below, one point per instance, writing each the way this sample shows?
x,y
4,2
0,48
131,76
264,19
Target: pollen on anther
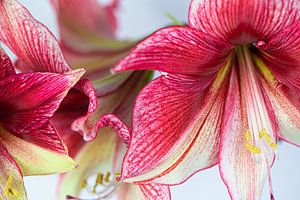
x,y
253,149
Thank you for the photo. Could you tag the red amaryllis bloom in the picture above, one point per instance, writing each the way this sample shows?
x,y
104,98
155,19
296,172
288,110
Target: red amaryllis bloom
x,y
29,144
87,37
99,167
39,51
229,92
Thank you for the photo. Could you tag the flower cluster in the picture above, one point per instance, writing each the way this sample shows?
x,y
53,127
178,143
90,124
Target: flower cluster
x,y
229,90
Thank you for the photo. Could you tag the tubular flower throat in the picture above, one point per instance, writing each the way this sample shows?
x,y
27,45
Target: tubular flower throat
x,y
229,92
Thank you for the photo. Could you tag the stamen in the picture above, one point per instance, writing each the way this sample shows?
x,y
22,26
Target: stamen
x,y
253,149
99,179
8,190
107,177
83,184
103,186
262,135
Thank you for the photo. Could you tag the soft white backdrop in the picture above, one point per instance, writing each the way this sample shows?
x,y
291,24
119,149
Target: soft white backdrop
x,y
138,18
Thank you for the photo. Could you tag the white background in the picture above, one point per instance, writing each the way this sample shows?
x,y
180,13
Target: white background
x,y
138,18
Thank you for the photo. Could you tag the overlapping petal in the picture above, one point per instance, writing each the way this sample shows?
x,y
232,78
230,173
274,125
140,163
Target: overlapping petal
x,y
6,66
11,181
242,22
177,49
281,55
170,129
285,104
29,100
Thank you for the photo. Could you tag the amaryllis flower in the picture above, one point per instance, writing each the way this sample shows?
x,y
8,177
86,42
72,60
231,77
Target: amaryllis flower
x,y
229,91
38,50
87,37
29,144
99,167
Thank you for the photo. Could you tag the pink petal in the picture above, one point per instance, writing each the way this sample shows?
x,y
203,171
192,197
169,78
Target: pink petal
x,y
177,49
112,121
29,100
285,105
281,55
242,22
6,66
175,130
243,172
89,16
143,192
11,181
47,138
156,192
30,40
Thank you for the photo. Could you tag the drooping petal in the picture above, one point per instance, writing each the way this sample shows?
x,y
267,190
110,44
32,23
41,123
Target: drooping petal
x,y
243,166
242,22
6,66
94,157
112,121
36,159
281,55
144,192
172,135
30,40
177,49
11,181
29,100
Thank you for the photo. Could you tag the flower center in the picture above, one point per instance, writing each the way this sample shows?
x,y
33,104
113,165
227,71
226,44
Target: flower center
x,y
100,186
259,134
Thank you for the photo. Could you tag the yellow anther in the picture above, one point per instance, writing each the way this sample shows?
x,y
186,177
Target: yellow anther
x,y
263,134
99,179
8,190
83,184
107,177
274,146
117,174
253,149
248,136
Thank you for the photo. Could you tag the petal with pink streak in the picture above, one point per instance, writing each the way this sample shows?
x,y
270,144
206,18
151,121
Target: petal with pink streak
x,y
30,40
257,19
6,66
281,55
285,104
29,100
177,49
144,192
170,129
243,172
11,180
